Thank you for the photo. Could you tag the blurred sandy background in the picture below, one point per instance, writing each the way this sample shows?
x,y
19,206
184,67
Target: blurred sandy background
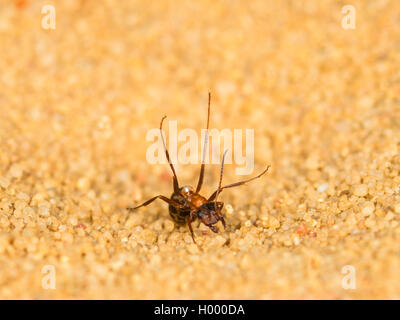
x,y
76,103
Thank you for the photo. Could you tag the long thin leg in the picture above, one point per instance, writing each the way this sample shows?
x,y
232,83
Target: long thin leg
x,y
167,200
220,180
235,184
201,177
223,221
218,191
175,181
189,221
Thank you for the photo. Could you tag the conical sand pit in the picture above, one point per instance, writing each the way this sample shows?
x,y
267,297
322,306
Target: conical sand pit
x,y
77,103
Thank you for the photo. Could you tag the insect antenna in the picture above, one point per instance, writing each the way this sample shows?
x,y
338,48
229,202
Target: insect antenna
x,y
175,178
201,177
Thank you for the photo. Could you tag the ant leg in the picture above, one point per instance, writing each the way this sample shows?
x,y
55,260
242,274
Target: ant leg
x,y
236,184
167,200
223,221
201,177
189,223
220,180
175,178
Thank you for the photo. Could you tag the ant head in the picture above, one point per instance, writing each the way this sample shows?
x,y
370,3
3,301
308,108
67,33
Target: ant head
x,y
186,191
210,213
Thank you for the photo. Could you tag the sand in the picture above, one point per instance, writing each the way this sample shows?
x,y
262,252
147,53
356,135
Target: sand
x,y
76,104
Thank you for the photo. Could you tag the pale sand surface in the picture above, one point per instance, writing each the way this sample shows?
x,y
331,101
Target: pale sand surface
x,y
76,104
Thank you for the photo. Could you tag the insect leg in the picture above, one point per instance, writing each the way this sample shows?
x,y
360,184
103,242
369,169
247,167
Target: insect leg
x,y
175,181
201,177
223,221
236,184
220,180
167,200
189,221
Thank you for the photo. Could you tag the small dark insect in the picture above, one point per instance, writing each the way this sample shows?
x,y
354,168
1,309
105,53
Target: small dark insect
x,y
186,204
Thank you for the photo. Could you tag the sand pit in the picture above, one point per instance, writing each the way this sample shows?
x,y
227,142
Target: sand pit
x,y
77,102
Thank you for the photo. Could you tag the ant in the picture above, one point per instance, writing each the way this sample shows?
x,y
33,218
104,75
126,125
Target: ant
x,y
186,204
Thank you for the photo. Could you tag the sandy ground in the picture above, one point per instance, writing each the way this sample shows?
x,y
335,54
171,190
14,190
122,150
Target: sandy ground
x,y
76,104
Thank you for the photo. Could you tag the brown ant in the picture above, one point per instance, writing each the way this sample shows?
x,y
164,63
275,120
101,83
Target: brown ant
x,y
186,204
